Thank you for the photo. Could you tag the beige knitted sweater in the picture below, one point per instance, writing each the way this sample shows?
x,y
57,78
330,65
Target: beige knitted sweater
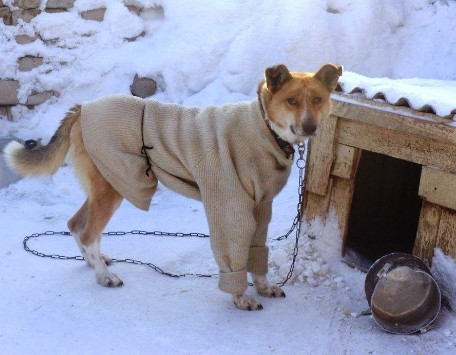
x,y
224,156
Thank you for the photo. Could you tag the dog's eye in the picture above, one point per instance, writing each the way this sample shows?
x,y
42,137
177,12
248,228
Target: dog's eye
x,y
317,100
292,101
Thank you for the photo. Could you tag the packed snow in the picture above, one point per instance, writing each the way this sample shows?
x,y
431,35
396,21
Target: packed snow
x,y
203,53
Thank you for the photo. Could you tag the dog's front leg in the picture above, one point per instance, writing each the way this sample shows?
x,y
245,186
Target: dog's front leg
x,y
258,253
231,224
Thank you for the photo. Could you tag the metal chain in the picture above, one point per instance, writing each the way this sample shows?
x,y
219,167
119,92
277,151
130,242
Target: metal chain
x,y
127,260
296,225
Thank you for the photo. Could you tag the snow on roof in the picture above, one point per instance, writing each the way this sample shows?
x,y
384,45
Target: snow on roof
x,y
424,95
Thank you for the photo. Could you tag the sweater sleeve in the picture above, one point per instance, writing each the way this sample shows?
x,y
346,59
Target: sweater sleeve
x,y
232,223
258,252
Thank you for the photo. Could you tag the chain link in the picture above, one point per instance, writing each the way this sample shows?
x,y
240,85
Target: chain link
x,y
296,226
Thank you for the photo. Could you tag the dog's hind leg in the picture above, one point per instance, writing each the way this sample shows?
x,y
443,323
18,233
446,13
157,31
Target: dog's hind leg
x,y
76,225
90,220
101,206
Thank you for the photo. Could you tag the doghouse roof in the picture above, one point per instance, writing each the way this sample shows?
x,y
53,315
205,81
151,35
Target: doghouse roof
x,y
424,95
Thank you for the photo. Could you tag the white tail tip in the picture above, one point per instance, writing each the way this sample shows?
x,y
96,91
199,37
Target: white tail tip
x,y
10,152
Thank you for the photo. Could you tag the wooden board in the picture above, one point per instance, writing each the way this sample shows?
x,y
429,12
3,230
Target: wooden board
x,y
395,118
341,199
446,239
417,149
316,206
346,161
321,157
428,228
438,187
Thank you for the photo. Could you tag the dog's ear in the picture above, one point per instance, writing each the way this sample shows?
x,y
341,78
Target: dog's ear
x,y
329,74
276,77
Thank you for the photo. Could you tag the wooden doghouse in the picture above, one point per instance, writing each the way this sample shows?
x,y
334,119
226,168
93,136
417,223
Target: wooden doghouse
x,y
389,174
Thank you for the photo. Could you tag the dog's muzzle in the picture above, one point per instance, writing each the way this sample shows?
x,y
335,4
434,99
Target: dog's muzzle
x,y
307,129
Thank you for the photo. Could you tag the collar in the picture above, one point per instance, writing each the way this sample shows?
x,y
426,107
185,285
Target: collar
x,y
286,147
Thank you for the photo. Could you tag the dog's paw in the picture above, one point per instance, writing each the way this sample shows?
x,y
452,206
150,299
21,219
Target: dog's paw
x,y
246,304
109,280
265,288
270,291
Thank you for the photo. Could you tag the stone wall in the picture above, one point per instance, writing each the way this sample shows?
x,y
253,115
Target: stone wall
x,y
12,14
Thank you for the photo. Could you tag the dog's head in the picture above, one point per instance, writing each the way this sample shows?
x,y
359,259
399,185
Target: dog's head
x,y
296,102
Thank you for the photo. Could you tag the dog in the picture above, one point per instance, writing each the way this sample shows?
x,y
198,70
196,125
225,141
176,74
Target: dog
x,y
235,158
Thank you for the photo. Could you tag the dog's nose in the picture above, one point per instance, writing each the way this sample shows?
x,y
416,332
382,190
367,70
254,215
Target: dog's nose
x,y
309,128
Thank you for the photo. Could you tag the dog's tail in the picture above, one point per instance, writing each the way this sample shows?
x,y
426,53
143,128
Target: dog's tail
x,y
42,160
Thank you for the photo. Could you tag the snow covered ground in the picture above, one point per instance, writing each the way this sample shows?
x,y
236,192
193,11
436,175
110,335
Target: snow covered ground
x,y
201,52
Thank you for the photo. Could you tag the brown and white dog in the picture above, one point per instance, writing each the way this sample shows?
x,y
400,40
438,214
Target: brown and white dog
x,y
235,158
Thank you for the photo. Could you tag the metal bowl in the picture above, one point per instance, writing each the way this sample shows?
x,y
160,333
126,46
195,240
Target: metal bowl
x,y
403,296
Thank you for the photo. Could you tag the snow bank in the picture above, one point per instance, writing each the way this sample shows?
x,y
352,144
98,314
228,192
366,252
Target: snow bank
x,y
443,269
207,52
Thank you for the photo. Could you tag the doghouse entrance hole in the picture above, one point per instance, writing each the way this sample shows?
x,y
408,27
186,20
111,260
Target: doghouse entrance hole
x,y
385,209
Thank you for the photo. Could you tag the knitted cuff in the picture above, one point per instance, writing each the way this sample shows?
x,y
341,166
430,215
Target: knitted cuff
x,y
258,260
233,282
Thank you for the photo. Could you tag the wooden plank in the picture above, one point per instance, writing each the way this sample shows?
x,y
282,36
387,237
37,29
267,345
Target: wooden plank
x,y
321,157
438,187
316,206
341,200
417,149
446,239
428,228
395,118
346,161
